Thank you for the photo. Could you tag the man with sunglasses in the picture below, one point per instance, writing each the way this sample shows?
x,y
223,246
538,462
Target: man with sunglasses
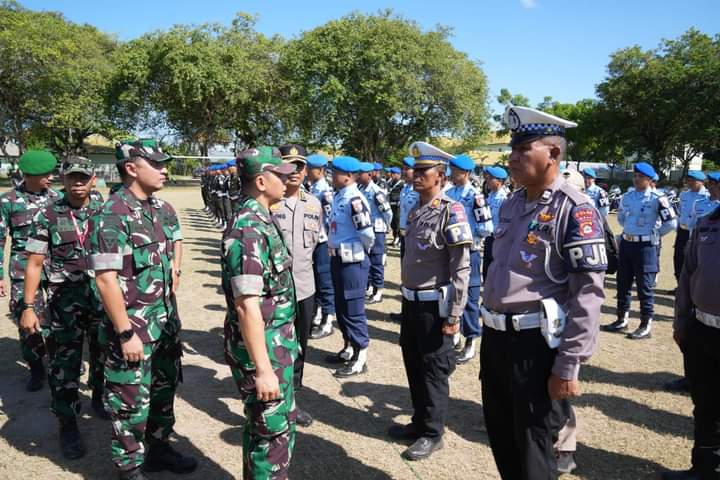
x,y
17,209
57,248
299,216
260,339
132,251
434,276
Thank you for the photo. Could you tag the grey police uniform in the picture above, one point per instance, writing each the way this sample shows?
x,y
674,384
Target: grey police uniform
x,y
548,254
435,275
697,321
299,219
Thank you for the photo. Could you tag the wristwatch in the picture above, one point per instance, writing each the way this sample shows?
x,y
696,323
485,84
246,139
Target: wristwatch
x,y
126,335
453,320
28,306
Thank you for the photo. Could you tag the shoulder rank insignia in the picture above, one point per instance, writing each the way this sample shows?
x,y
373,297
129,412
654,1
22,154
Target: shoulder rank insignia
x,y
435,203
546,217
531,238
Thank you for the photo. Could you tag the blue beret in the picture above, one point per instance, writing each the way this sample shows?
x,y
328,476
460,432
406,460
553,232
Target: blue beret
x,y
232,163
463,162
497,172
316,160
646,169
346,164
409,162
696,175
656,177
377,166
714,176
395,170
366,167
589,172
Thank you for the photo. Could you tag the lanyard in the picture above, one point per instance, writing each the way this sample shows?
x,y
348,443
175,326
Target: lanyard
x,y
81,236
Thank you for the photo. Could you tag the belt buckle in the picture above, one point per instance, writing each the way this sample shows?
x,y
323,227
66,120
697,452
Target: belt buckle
x,y
516,322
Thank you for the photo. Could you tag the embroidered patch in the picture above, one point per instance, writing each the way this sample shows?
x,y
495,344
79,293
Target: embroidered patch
x,y
458,211
585,217
527,257
480,200
531,238
357,205
435,203
546,217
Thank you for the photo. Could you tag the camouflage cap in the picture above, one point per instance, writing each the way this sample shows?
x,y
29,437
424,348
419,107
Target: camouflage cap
x,y
147,149
255,161
37,162
78,165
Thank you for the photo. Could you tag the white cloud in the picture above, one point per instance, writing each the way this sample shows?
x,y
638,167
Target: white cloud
x,y
528,3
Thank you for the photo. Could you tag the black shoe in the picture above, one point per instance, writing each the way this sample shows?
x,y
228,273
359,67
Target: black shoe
x,y
403,432
98,406
340,358
681,475
37,376
304,419
321,331
350,370
642,332
619,325
423,448
161,456
566,462
134,474
71,442
679,385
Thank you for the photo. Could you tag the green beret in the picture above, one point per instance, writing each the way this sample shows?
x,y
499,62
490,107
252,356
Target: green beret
x,y
37,162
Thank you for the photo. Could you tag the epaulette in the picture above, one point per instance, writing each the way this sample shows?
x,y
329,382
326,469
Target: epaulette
x,y
576,196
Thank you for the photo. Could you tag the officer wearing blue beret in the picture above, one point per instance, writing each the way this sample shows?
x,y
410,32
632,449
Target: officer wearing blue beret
x,y
234,186
434,280
408,198
696,190
705,205
640,210
598,194
350,240
325,296
381,216
395,185
480,219
495,178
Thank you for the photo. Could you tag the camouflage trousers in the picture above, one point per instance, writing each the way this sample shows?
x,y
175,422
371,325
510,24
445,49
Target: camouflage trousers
x,y
74,314
269,435
32,345
140,397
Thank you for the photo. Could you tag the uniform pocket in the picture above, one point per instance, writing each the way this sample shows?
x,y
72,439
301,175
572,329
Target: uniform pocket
x,y
146,256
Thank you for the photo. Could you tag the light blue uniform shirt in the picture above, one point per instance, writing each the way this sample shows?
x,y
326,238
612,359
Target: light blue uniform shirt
x,y
323,192
408,199
480,225
641,213
600,197
701,207
495,201
380,211
347,203
687,200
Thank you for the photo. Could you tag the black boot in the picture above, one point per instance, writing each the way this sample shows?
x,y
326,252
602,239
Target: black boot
x,y
423,448
618,325
37,376
161,456
134,474
98,406
643,331
71,442
304,419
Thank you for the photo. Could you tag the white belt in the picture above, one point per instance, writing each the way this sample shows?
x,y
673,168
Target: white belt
x,y
637,238
420,295
684,226
520,321
707,318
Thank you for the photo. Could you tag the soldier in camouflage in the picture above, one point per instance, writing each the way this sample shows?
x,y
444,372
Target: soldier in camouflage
x,y
132,249
17,209
57,242
260,340
234,188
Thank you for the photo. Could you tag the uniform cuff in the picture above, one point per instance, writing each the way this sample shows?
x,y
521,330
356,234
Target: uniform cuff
x,y
567,370
34,245
247,285
456,311
106,261
177,236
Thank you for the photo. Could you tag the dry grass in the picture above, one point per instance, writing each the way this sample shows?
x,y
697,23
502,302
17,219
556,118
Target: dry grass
x,y
630,428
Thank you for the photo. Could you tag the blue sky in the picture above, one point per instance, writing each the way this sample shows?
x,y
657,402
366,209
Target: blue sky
x,y
534,47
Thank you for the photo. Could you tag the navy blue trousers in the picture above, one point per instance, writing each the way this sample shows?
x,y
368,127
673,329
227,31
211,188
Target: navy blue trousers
x,y
377,269
637,261
324,295
470,324
349,282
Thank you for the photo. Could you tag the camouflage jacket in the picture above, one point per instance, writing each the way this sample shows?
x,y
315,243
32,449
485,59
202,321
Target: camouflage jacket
x,y
56,233
135,239
17,209
256,262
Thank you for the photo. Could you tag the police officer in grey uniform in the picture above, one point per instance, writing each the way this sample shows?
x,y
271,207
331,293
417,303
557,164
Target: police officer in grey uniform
x,y
542,299
697,331
435,276
299,217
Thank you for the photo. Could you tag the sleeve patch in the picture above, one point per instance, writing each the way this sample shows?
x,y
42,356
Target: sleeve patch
x,y
586,226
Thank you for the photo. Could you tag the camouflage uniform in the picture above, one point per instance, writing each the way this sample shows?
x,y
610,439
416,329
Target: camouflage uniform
x,y
72,304
17,209
255,261
135,239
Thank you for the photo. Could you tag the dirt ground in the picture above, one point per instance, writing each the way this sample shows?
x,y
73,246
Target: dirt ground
x,y
629,427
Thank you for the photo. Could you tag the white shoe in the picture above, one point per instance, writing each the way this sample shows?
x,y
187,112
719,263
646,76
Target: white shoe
x,y
456,340
317,320
467,353
355,367
375,298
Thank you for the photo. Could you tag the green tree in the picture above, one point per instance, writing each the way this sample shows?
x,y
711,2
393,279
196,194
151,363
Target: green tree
x,y
370,84
505,98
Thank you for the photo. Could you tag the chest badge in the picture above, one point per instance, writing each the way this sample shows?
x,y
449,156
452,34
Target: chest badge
x,y
531,238
546,217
